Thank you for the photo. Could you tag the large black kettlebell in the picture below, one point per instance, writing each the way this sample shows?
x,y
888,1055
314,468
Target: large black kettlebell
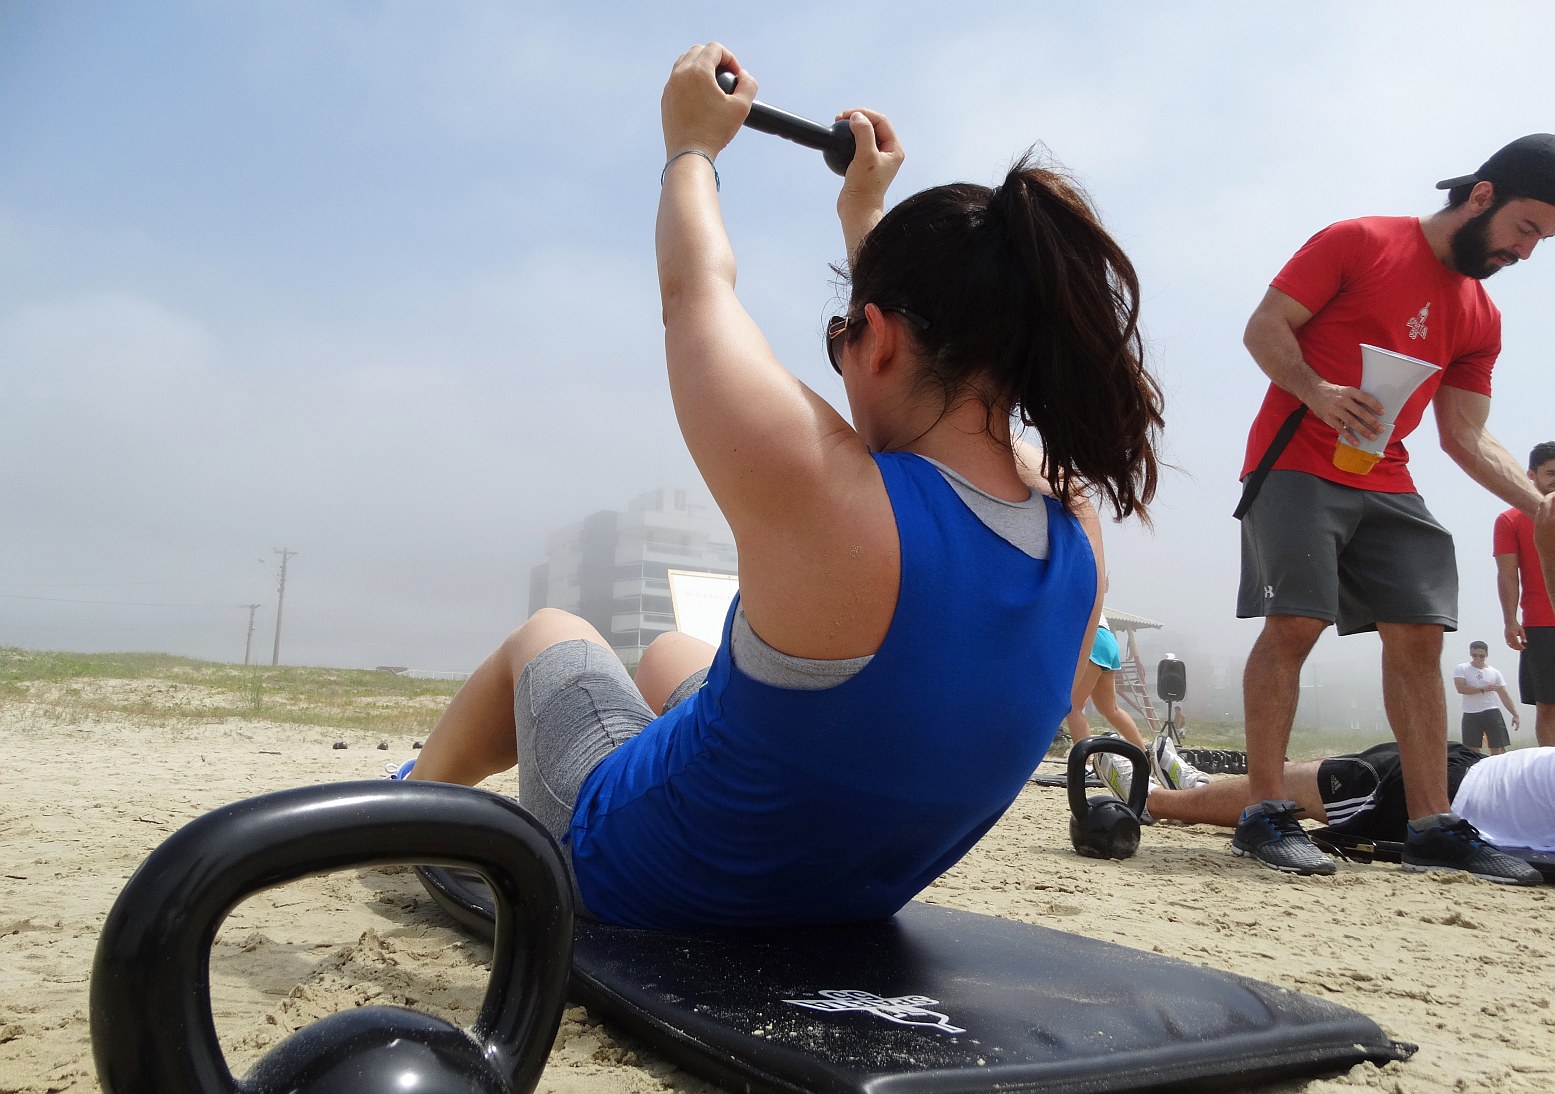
x,y
1104,826
152,1030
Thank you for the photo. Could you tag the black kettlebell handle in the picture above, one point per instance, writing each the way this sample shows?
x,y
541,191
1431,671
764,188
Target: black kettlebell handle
x,y
835,141
1079,756
150,1009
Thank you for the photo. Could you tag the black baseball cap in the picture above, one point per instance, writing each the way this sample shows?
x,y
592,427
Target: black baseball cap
x,y
1523,169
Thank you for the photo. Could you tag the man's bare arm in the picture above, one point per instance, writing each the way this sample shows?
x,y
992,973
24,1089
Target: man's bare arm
x,y
1509,591
1506,701
1271,339
1544,540
1461,418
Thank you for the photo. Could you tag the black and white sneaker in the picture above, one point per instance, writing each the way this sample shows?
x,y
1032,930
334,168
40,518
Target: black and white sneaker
x,y
1455,844
1270,833
1118,777
1171,770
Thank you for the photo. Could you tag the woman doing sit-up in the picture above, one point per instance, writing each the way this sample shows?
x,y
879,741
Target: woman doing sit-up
x,y
872,708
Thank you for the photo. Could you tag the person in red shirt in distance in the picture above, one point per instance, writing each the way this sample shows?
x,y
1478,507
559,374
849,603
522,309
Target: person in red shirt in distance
x,y
1520,578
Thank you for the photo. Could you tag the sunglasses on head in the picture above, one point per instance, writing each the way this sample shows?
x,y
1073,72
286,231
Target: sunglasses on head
x,y
837,324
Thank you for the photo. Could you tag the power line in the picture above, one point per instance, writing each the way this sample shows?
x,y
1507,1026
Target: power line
x,y
89,584
118,603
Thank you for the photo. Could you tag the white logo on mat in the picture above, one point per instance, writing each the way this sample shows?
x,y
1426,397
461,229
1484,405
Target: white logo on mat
x,y
1417,328
908,1010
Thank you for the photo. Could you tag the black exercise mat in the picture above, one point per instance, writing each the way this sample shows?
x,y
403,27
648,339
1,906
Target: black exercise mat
x,y
944,1001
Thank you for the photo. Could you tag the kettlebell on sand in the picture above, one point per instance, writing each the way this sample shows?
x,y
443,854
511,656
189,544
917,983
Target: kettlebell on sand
x,y
1104,826
152,1028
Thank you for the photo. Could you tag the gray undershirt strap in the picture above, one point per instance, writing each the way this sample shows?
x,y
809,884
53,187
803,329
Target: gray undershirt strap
x,y
1022,524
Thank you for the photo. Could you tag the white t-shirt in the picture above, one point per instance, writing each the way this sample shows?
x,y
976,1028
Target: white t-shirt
x,y
1510,798
1486,677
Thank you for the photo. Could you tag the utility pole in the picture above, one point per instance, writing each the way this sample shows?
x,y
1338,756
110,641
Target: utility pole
x,y
280,602
248,646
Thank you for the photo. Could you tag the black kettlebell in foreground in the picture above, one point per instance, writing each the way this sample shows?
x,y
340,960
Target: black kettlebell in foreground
x,y
1104,826
152,1029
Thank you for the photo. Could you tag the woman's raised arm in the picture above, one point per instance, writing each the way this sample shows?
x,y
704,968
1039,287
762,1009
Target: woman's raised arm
x,y
877,157
760,437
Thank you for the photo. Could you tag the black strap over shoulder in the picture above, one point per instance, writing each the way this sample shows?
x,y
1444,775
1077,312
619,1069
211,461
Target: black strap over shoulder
x,y
1254,481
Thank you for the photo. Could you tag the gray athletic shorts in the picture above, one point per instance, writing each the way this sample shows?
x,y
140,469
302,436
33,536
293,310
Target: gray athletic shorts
x,y
1357,558
1536,667
574,704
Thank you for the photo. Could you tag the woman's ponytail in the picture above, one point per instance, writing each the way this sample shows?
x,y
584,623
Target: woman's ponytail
x,y
1033,309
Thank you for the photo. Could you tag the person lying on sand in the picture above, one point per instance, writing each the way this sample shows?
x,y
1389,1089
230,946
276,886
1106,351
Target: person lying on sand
x,y
1507,799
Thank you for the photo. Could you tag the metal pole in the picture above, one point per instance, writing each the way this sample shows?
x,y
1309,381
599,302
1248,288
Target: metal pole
x,y
280,601
248,646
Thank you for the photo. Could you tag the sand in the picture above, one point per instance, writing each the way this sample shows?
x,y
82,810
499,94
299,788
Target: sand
x,y
1457,966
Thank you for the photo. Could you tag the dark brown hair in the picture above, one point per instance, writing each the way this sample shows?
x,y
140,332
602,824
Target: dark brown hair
x,y
1033,309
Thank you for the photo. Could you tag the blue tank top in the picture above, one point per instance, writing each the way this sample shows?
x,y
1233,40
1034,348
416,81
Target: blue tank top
x,y
750,804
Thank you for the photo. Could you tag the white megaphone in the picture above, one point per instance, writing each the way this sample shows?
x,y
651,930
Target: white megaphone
x,y
1390,378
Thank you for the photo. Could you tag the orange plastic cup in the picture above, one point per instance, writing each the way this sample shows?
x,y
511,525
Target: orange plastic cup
x,y
1355,460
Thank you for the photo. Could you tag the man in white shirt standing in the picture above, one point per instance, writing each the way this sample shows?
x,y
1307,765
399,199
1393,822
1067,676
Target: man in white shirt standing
x,y
1481,686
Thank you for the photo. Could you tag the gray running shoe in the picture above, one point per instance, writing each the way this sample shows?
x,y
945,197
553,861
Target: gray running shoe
x,y
1270,833
1457,845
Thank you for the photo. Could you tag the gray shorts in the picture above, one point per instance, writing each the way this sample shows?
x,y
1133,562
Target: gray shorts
x,y
1357,558
574,704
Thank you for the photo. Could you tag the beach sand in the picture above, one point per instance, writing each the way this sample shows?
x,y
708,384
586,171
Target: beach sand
x,y
1454,965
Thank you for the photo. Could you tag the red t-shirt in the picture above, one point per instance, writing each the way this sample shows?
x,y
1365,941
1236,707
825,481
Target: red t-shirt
x,y
1376,280
1514,536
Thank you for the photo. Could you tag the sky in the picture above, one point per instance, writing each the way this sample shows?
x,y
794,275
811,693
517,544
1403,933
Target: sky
x,y
374,282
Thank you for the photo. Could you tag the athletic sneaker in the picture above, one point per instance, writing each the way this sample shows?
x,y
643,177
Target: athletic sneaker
x,y
1456,844
1171,770
1270,833
1117,775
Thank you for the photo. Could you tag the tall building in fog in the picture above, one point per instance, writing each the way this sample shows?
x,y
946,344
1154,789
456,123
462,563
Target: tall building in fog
x,y
612,567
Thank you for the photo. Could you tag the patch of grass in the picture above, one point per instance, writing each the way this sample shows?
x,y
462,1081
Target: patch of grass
x,y
17,665
1305,743
1226,735
341,698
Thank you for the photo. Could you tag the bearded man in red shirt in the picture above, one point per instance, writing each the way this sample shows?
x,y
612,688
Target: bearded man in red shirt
x,y
1328,544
